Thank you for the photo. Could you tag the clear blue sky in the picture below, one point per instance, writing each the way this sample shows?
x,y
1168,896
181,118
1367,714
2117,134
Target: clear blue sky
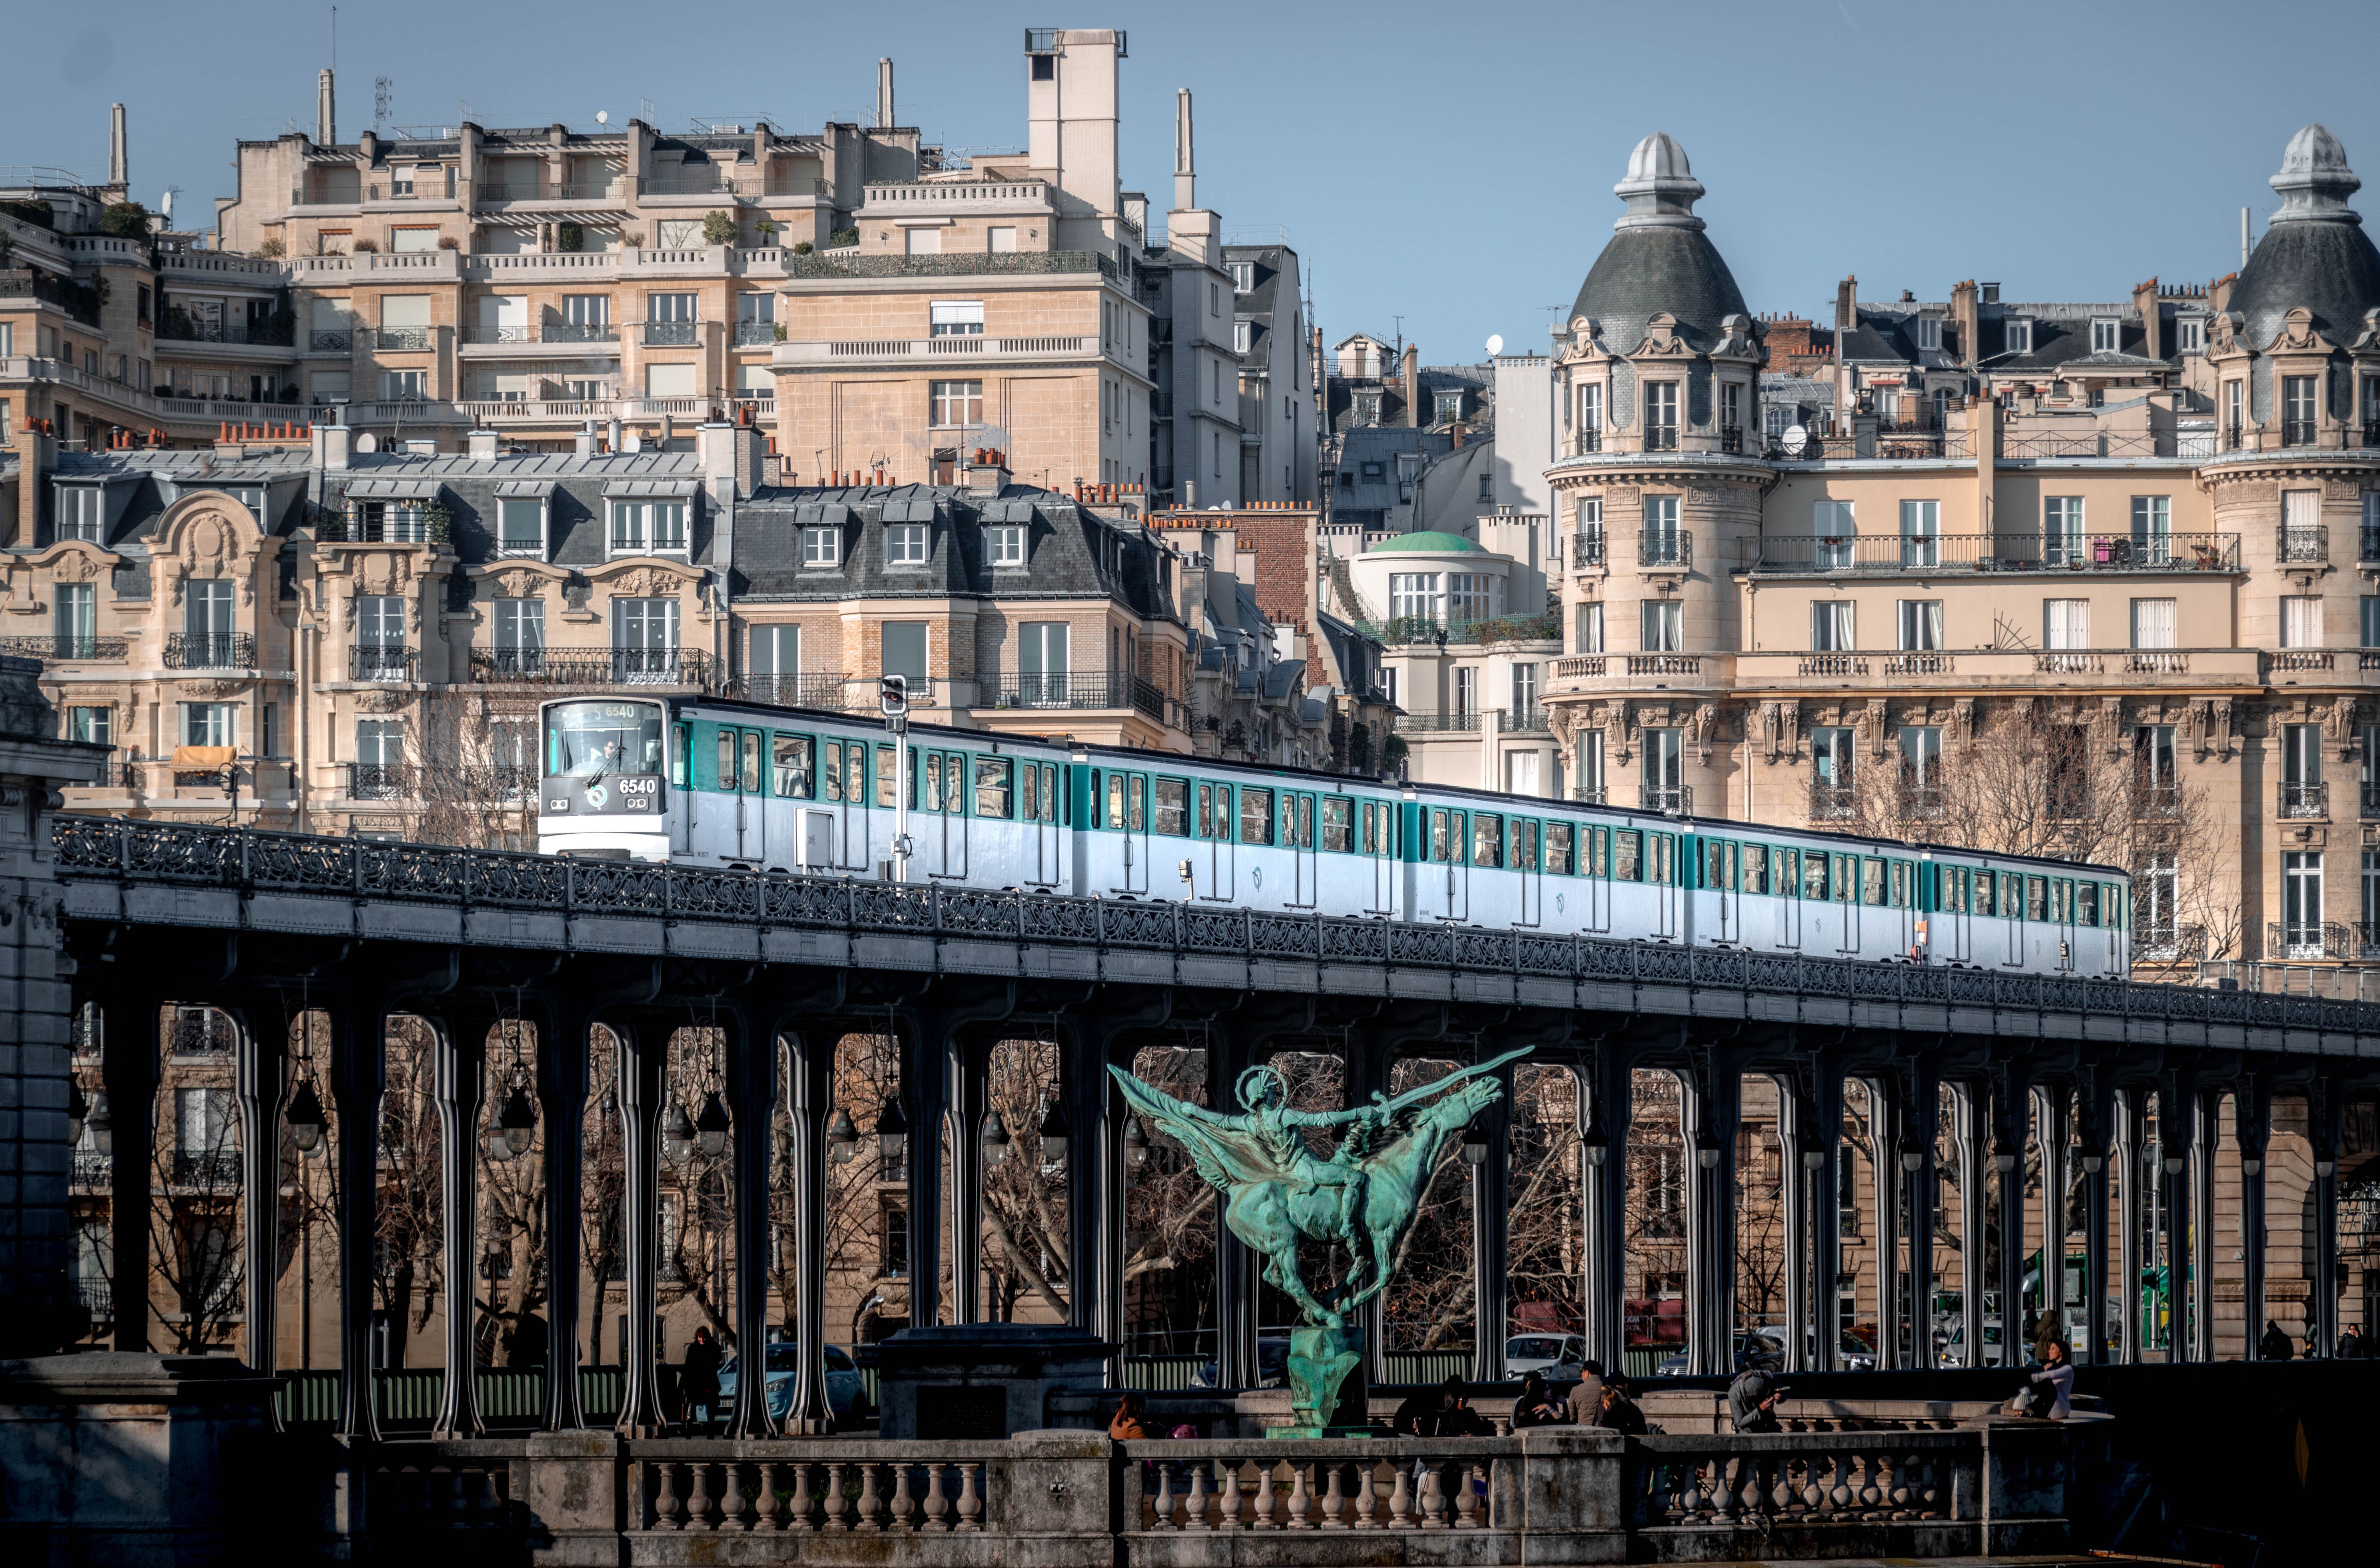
x,y
1451,163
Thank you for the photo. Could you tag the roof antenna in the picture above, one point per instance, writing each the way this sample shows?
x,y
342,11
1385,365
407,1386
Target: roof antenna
x,y
2243,236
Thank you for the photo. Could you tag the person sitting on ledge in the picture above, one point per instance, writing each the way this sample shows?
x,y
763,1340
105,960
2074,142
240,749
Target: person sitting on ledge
x,y
1129,1423
1539,1404
1620,1413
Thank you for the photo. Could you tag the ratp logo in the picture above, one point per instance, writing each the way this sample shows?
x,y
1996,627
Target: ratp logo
x,y
597,795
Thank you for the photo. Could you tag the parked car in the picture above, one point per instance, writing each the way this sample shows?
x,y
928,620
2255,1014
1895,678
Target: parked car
x,y
845,1390
1851,1356
1272,1365
1556,1355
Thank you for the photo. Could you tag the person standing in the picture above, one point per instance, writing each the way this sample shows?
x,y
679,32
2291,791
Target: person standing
x,y
2274,1345
2350,1343
1586,1399
697,1379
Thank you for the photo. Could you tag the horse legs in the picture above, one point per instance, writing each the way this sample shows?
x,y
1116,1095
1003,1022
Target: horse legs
x,y
1280,1268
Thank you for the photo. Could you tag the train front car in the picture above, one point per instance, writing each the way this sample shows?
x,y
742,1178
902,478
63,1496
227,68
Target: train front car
x,y
605,793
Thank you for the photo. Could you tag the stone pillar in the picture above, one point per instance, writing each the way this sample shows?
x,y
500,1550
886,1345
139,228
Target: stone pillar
x,y
2125,1158
644,1049
2252,1118
966,1069
1792,1138
1974,1163
1885,1184
261,1078
1491,1196
810,1089
358,1019
2054,1131
459,1080
131,1046
751,1102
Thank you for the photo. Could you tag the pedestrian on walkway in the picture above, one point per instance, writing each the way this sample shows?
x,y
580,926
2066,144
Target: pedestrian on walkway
x,y
1752,1398
1130,1422
2274,1345
697,1379
2352,1346
1586,1399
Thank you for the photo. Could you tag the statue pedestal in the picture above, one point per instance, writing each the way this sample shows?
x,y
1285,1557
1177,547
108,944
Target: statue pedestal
x,y
1328,1397
978,1380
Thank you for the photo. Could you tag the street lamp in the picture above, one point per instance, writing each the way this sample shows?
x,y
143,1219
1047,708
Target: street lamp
x,y
516,1124
1913,1155
1707,1150
1814,1160
2174,1164
2250,1166
2094,1160
305,1116
1475,1144
711,1126
1136,1140
994,1140
1056,1132
892,1130
1596,1144
2003,1159
2324,1167
842,1138
677,1135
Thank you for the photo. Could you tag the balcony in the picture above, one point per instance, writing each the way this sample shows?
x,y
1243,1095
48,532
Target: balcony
x,y
2168,942
1827,554
1670,800
1831,804
490,193
755,334
1525,722
330,343
1587,443
1587,794
801,691
2302,544
2289,662
1408,630
1665,548
178,326
1731,438
578,331
1075,691
593,667
67,647
402,340
500,334
2299,432
2309,940
1587,550
672,334
215,1168
381,780
395,527
2301,800
501,783
967,348
2006,668
93,1292
1598,666
91,1172
1436,724
1660,437
210,651
964,264
391,664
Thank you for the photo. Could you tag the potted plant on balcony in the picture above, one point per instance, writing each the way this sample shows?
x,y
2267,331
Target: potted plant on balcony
x,y
718,228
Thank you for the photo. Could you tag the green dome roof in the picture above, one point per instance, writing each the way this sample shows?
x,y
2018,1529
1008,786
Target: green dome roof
x,y
1431,540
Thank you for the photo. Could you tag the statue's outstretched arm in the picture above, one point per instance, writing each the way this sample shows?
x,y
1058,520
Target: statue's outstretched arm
x,y
1428,1090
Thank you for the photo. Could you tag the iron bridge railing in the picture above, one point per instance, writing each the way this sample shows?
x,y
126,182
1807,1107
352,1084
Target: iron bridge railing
x,y
133,851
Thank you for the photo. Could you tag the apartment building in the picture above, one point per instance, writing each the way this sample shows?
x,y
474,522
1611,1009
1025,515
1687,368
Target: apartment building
x,y
2123,554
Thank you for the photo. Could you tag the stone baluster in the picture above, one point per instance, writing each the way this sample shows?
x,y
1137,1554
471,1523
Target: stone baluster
x,y
835,1501
1263,1520
667,1511
1195,1507
769,1520
1840,1494
1231,1500
799,1520
1160,1509
1929,1487
1871,1487
698,1512
871,1506
1367,1496
1433,1497
1401,1503
1718,1494
1299,1500
970,1500
1901,1495
1466,1501
938,1505
904,1504
1334,1501
732,1505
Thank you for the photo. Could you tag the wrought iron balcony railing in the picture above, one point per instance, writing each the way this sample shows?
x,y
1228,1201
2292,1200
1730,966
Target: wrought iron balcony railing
x,y
522,332
96,1294
68,646
1831,803
2303,799
331,343
1588,794
1076,692
2299,432
1673,800
403,338
368,663
2308,940
753,334
672,334
206,1167
1587,550
825,691
2302,544
186,650
1665,546
1436,723
381,781
1660,437
1831,553
593,667
579,331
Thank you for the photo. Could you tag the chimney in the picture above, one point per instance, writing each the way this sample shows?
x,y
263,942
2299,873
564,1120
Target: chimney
x,y
38,462
480,444
1185,160
885,120
1965,320
332,445
115,169
613,434
2145,300
986,472
326,112
583,443
1413,385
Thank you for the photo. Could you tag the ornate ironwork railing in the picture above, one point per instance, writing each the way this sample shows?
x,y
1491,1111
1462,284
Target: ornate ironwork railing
x,y
125,849
210,651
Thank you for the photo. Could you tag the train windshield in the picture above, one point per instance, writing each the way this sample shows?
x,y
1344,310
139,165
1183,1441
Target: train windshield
x,y
610,737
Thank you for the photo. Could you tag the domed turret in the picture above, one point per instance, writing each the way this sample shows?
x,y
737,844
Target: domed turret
x,y
1658,258
2314,251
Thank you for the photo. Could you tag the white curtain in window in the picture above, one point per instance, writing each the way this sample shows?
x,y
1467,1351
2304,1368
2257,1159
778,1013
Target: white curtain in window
x,y
2301,509
1830,627
2302,621
1921,624
2066,623
2153,624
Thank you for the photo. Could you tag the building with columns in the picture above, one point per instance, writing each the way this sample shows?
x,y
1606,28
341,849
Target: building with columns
x,y
2141,538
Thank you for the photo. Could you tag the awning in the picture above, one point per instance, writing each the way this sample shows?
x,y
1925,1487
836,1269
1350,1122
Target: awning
x,y
515,489
392,489
632,489
203,759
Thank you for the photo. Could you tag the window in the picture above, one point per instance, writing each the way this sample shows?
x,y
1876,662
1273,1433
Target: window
x,y
1589,629
1042,661
380,637
1929,333
776,658
1367,412
1831,753
1832,526
645,528
1921,625
907,544
1244,276
1466,689
2302,532
2066,623
1590,418
2152,529
903,651
2189,334
77,623
2153,624
590,314
2016,335
921,241
673,309
520,526
209,724
756,308
207,616
1470,596
2371,610
93,726
79,512
1662,626
1590,764
1660,416
1003,545
1256,816
2296,410
821,547
2107,335
1662,541
1214,299
404,386
1242,336
1921,533
1921,755
1000,238
1830,627
1665,769
2061,530
954,317
405,320
2302,620
1524,688
520,636
956,404
2301,905
1415,595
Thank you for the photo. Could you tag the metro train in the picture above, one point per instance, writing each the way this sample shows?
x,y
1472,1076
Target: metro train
x,y
702,781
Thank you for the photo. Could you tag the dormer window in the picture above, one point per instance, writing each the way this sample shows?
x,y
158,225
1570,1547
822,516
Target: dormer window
x,y
1004,545
823,547
2107,335
521,526
1243,335
1450,407
907,544
1929,334
2189,334
2017,336
1244,276
80,510
1367,408
649,527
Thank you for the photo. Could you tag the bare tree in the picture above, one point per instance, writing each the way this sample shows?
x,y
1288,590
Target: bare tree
x,y
1024,1194
1169,1215
409,1227
473,767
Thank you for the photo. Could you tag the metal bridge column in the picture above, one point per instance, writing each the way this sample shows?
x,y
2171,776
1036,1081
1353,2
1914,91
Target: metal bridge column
x,y
1886,1184
2014,1116
458,1078
261,1077
1607,1191
133,1045
1710,1100
644,1050
2201,1235
2126,1160
809,1090
562,1043
1826,1229
2324,1104
2251,1105
1228,1053
1921,1124
1793,1140
2177,1136
358,1018
1491,1195
966,1070
751,1060
1973,1125
2054,1131
924,1087
2093,1136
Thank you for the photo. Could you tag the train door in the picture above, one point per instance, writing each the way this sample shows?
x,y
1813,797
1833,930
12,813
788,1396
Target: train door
x,y
1377,839
1123,810
1527,853
943,801
1216,856
1663,875
1789,899
1845,876
682,793
1595,862
843,791
793,778
1487,852
2063,928
1295,835
1448,841
1721,864
1037,811
746,837
2019,895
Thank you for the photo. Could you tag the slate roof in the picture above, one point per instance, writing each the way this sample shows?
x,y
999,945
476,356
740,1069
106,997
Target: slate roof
x,y
1644,271
1257,304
